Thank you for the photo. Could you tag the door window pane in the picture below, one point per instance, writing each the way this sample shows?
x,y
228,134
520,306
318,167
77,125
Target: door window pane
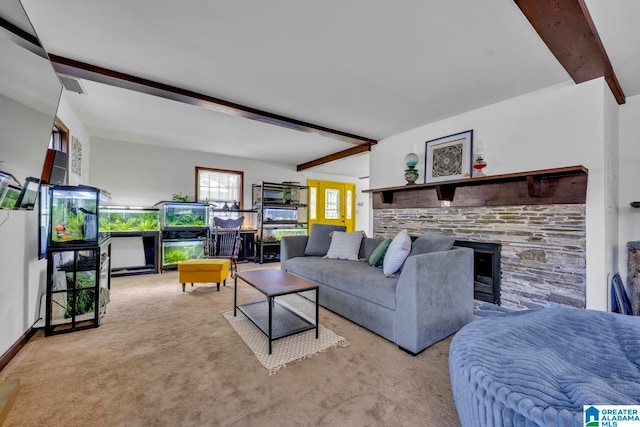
x,y
349,203
332,203
313,208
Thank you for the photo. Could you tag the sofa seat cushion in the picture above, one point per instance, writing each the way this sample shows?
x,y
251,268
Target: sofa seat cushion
x,y
354,277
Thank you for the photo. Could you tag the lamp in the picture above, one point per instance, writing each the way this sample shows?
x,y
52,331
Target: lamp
x,y
478,165
411,174
479,162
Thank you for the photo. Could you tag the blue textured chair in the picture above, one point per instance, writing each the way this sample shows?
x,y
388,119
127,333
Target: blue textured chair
x,y
539,367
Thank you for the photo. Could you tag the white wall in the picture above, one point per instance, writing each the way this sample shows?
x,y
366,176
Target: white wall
x,y
364,213
20,126
23,274
77,130
611,167
559,126
629,171
18,247
137,174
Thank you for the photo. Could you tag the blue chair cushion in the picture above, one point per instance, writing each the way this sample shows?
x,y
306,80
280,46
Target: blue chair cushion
x,y
620,302
539,367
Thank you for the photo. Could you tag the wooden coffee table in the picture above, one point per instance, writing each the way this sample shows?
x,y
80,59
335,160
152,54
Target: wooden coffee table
x,y
273,319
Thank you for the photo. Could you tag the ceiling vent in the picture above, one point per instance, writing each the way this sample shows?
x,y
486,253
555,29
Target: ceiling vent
x,y
71,83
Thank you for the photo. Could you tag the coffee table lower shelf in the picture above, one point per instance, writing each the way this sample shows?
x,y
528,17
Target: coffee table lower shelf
x,y
284,322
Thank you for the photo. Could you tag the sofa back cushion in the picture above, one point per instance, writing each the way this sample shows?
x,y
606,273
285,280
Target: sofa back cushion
x,y
368,245
320,239
431,241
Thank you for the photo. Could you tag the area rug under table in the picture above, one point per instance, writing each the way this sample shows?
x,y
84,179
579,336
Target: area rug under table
x,y
285,350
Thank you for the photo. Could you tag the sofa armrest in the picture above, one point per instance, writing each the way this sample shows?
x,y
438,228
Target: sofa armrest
x,y
291,247
434,297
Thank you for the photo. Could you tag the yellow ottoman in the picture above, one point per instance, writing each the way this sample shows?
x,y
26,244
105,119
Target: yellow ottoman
x,y
203,271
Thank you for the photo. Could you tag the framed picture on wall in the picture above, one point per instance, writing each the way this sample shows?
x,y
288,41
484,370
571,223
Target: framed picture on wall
x,y
448,158
76,156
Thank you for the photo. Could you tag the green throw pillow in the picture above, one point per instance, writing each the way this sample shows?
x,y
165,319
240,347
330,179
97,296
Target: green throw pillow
x,y
377,256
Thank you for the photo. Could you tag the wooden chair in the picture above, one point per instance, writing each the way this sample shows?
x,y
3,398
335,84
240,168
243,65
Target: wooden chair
x,y
225,244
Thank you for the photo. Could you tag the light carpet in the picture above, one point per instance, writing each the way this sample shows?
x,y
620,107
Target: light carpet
x,y
284,350
163,357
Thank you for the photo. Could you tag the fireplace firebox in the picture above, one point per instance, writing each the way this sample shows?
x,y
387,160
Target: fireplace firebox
x,y
486,270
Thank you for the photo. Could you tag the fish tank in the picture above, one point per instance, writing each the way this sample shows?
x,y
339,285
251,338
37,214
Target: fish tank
x,y
74,213
275,234
9,197
286,193
181,250
280,215
116,219
183,214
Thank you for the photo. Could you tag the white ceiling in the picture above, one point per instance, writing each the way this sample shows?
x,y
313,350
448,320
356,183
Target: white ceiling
x,y
372,68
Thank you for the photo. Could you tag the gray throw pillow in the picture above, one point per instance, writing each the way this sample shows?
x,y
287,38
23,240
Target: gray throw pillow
x,y
345,245
431,241
320,239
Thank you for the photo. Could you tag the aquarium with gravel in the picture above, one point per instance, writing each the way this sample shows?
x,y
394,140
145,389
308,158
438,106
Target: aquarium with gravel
x,y
129,218
175,251
74,213
183,214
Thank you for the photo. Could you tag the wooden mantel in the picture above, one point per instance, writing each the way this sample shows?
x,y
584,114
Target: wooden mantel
x,y
566,185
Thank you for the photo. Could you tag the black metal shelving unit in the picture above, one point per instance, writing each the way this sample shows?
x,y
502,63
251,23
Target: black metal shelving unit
x,y
78,259
150,245
282,210
182,226
78,286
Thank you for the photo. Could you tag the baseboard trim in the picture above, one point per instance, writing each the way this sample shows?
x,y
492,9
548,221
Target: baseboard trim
x,y
16,347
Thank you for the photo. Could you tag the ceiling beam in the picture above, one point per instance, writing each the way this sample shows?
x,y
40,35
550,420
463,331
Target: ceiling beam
x,y
94,73
335,156
567,29
22,38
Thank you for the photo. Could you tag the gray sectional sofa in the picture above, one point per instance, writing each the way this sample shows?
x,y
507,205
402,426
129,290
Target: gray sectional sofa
x,y
428,300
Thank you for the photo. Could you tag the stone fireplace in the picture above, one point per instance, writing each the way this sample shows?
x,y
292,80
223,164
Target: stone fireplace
x,y
543,248
486,270
537,218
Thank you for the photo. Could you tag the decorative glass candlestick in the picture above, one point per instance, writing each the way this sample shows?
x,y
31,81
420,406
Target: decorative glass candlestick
x,y
478,165
411,174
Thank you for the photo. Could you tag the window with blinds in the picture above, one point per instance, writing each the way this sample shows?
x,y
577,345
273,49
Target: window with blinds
x,y
219,186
